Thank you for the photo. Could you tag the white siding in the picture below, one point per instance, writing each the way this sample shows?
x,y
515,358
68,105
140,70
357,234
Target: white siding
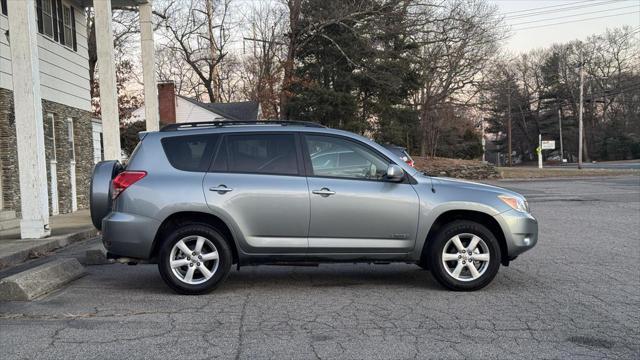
x,y
185,112
64,73
189,112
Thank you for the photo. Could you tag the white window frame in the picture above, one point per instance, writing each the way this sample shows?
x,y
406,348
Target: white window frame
x,y
51,117
44,16
67,26
53,167
71,139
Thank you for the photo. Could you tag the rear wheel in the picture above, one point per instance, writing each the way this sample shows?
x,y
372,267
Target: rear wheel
x,y
464,256
194,259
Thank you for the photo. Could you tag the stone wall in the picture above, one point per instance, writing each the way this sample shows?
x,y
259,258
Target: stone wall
x,y
456,168
8,153
83,142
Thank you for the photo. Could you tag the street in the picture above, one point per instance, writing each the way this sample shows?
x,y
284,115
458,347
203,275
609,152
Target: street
x,y
576,294
601,165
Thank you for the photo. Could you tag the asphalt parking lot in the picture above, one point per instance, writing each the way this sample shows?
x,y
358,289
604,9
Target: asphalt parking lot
x,y
577,294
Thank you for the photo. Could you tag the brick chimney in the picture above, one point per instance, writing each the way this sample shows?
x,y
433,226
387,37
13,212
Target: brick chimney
x,y
167,102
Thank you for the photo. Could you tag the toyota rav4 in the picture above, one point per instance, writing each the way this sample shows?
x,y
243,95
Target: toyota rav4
x,y
198,198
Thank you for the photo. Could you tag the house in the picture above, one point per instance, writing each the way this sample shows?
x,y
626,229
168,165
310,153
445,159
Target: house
x,y
65,117
49,142
180,109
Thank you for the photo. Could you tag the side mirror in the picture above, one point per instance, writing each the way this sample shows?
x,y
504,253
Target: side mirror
x,y
394,173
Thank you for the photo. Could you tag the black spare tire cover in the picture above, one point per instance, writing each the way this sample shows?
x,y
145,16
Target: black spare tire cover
x,y
100,196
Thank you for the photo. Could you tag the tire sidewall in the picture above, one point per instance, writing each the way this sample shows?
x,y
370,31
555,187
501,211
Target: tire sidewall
x,y
218,240
447,232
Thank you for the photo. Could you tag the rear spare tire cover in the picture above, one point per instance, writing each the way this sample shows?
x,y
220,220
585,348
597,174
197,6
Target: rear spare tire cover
x,y
100,196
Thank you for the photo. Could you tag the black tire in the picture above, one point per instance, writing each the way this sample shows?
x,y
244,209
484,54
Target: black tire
x,y
423,264
224,257
435,253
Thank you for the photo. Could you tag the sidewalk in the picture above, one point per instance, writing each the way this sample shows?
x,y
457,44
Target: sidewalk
x,y
65,229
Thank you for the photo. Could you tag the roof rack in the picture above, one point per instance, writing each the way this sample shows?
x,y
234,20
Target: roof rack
x,y
221,123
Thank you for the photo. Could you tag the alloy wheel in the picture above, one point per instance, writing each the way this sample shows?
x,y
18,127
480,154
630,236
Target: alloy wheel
x,y
194,259
466,257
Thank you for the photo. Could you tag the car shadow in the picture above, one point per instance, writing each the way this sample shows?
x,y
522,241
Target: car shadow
x,y
146,278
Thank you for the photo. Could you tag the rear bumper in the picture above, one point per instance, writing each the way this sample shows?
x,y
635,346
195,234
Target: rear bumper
x,y
129,235
520,231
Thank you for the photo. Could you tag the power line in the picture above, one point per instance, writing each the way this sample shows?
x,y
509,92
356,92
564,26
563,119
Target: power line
x,y
572,15
571,8
573,21
546,7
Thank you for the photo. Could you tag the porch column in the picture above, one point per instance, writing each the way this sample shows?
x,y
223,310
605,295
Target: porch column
x,y
107,78
34,198
148,67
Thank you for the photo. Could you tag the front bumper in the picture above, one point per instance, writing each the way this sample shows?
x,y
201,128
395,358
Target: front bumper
x,y
520,231
129,235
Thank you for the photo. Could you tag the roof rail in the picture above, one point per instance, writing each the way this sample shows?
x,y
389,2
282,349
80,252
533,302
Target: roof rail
x,y
221,123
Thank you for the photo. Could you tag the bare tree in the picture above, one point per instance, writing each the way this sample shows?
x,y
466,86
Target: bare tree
x,y
264,54
125,27
457,40
199,32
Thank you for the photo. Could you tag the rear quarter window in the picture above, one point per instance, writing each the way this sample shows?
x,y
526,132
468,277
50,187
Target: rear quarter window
x,y
190,153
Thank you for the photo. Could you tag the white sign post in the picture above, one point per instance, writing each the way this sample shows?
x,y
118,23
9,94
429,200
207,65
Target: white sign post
x,y
539,151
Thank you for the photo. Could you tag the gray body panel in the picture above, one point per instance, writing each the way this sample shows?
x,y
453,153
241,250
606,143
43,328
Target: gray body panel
x,y
362,217
270,213
279,218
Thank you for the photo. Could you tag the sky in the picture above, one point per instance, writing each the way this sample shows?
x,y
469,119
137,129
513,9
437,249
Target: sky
x,y
541,23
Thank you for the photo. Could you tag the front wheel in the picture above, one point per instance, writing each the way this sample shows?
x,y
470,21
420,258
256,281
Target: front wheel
x,y
194,259
464,256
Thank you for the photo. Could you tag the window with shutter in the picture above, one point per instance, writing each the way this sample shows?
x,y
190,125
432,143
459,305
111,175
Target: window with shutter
x,y
68,27
47,18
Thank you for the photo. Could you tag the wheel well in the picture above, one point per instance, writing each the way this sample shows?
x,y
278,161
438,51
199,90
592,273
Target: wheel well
x,y
181,218
477,216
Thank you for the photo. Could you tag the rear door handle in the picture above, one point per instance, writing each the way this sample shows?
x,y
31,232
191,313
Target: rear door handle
x,y
221,189
323,192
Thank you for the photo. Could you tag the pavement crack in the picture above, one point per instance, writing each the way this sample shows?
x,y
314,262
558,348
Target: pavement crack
x,y
243,313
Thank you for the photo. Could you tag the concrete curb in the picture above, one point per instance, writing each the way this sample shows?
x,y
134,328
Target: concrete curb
x,y
44,246
97,255
40,280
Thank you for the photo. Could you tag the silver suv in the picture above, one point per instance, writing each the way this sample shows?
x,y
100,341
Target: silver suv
x,y
197,198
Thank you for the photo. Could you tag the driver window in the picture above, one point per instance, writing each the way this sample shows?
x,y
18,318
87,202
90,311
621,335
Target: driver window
x,y
336,157
262,154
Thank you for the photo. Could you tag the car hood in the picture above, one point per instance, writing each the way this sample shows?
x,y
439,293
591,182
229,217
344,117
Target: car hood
x,y
470,185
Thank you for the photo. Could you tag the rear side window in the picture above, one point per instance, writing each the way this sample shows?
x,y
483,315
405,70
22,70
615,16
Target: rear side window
x,y
259,154
190,153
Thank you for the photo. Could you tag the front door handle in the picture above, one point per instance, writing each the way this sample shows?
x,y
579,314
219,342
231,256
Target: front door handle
x,y
221,189
323,192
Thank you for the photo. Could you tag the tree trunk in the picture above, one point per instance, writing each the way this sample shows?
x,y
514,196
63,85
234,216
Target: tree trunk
x,y
287,81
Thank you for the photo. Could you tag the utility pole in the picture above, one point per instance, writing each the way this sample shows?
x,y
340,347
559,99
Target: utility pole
x,y
580,111
560,127
509,119
484,149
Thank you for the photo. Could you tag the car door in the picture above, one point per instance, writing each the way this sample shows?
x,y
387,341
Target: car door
x,y
257,183
353,208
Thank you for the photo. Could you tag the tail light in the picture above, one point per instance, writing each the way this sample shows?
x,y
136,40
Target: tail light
x,y
410,162
125,179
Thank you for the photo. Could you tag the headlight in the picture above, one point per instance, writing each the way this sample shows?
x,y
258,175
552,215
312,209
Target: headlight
x,y
516,203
